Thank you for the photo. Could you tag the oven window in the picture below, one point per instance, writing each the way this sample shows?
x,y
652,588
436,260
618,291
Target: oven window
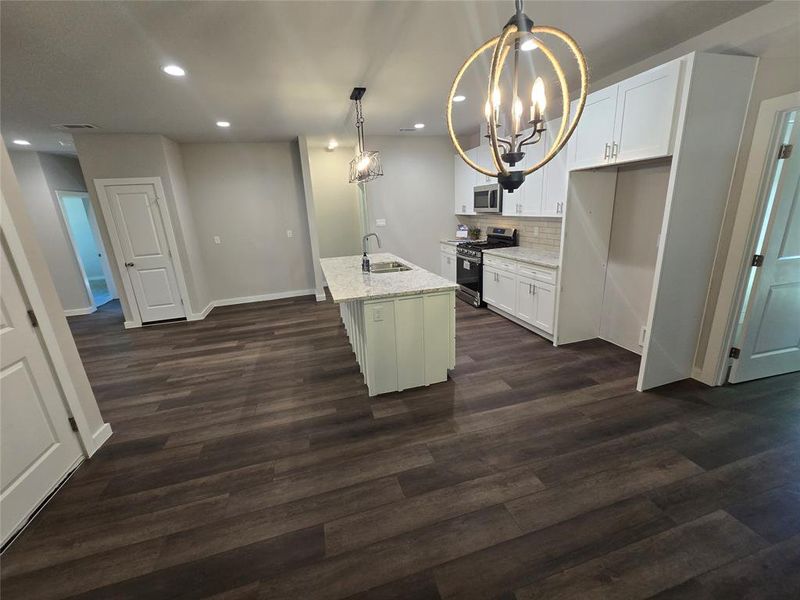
x,y
468,274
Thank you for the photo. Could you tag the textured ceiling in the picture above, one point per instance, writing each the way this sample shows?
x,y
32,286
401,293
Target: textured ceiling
x,y
279,69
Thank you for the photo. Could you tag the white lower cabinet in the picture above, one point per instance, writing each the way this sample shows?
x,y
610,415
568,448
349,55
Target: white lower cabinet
x,y
545,302
448,262
525,292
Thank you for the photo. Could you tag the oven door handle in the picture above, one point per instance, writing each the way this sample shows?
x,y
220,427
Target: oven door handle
x,y
475,261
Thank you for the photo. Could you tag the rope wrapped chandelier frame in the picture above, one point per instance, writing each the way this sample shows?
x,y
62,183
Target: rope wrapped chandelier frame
x,y
507,152
366,164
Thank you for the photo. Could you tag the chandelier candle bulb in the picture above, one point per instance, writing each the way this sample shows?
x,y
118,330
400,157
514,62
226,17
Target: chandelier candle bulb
x,y
538,100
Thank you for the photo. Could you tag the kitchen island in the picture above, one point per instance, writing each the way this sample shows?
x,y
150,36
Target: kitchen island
x,y
401,323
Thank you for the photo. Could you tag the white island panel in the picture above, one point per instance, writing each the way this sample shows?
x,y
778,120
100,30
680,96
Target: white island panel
x,y
401,325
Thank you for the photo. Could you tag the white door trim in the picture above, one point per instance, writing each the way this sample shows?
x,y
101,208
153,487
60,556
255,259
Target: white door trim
x,y
127,284
16,248
749,213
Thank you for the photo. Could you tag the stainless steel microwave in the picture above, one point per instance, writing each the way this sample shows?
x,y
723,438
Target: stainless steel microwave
x,y
488,198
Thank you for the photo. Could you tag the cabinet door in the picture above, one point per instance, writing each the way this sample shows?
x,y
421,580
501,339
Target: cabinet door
x,y
545,298
464,184
526,300
591,141
484,158
646,114
444,267
531,191
556,175
506,292
491,286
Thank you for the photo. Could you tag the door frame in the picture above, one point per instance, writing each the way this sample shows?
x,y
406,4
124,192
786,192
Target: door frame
x,y
749,217
90,440
73,243
127,284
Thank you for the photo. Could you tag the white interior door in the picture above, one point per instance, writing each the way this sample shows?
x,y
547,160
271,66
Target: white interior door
x,y
769,339
139,225
37,445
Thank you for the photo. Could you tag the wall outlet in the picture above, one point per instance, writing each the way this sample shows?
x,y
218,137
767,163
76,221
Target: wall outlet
x,y
289,233
380,222
535,231
377,313
642,333
217,240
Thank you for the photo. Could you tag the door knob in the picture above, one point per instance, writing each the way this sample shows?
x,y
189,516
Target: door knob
x,y
128,264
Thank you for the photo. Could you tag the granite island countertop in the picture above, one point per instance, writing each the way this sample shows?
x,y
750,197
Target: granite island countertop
x,y
543,258
347,282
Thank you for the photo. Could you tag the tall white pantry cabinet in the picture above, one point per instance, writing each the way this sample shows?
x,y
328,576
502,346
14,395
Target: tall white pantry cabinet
x,y
691,109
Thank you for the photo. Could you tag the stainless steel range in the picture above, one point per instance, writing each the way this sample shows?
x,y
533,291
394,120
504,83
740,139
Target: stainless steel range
x,y
469,255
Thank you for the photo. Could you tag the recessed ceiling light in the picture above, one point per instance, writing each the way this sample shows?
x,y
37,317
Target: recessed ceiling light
x,y
22,142
419,125
173,70
223,124
459,98
528,45
332,144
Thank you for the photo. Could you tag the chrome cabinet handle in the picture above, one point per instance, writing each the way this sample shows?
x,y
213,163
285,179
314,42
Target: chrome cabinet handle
x,y
128,264
607,152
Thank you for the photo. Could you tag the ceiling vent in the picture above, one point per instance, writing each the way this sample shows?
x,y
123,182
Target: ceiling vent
x,y
75,126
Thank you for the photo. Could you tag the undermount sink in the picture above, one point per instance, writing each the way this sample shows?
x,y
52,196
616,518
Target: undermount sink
x,y
388,267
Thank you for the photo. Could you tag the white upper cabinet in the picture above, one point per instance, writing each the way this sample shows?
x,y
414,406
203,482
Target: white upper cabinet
x,y
464,184
646,113
633,120
530,198
590,145
483,157
556,175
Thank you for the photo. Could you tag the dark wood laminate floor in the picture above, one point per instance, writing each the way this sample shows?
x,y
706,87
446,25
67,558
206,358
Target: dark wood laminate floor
x,y
249,462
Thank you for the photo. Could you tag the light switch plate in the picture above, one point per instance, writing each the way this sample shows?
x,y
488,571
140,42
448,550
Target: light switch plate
x,y
217,240
289,233
380,222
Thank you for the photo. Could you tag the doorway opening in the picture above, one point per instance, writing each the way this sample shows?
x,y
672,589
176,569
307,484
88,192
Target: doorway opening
x,y
88,246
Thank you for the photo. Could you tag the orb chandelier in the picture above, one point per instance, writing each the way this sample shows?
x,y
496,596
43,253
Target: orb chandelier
x,y
519,35
366,164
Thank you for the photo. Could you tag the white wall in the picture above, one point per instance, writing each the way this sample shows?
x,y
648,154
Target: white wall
x,y
40,175
196,272
638,206
415,196
249,195
109,156
335,202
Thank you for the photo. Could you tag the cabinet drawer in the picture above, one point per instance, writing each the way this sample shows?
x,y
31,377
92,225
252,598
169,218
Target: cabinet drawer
x,y
448,249
539,273
500,263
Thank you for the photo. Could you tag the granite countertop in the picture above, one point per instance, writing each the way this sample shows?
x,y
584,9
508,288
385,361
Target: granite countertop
x,y
543,258
346,280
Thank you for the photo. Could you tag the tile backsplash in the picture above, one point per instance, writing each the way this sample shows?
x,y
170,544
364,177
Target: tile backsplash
x,y
533,232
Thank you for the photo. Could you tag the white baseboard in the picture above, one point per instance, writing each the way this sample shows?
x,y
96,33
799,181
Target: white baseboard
x,y
132,324
321,297
202,314
74,312
101,436
264,297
